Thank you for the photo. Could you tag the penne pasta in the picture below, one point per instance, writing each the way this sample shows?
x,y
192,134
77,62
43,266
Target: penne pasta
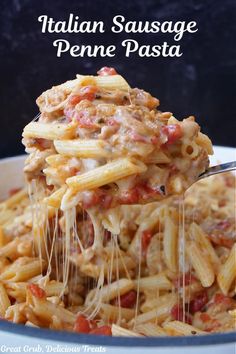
x,y
200,264
170,241
177,328
105,174
122,332
227,272
82,148
111,291
4,301
49,131
150,330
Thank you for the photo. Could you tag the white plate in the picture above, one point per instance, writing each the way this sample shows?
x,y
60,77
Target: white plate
x,y
16,338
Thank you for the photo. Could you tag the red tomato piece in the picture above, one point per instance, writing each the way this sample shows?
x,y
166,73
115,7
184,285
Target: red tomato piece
x,y
173,132
102,331
85,93
127,300
222,299
205,317
199,302
81,325
177,313
221,239
36,291
106,71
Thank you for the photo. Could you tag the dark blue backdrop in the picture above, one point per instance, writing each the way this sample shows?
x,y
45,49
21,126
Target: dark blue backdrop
x,y
201,82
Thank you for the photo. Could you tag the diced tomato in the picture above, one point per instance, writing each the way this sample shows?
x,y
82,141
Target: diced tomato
x,y
198,303
210,323
82,325
221,239
177,313
13,191
140,191
85,93
102,331
36,291
106,71
205,317
145,240
184,280
127,300
173,133
222,299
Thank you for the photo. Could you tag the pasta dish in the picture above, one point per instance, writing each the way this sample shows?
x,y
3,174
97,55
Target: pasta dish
x,y
109,237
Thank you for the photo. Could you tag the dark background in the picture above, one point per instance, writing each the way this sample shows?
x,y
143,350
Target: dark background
x,y
201,82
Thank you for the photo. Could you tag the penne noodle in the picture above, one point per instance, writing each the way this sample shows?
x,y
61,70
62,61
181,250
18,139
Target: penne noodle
x,y
49,131
170,241
111,291
159,281
23,272
118,331
13,200
227,272
177,328
159,313
4,301
115,313
82,148
45,310
201,264
111,172
54,200
150,330
197,234
107,82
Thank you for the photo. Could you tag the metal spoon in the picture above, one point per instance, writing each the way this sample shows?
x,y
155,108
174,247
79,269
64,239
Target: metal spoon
x,y
224,167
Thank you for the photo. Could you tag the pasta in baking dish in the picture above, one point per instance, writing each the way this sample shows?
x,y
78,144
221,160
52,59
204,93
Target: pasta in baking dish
x,y
102,240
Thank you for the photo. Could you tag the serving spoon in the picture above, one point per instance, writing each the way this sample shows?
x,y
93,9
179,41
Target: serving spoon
x,y
224,167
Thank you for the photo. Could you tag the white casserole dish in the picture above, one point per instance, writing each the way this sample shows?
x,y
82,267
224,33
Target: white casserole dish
x,y
17,338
